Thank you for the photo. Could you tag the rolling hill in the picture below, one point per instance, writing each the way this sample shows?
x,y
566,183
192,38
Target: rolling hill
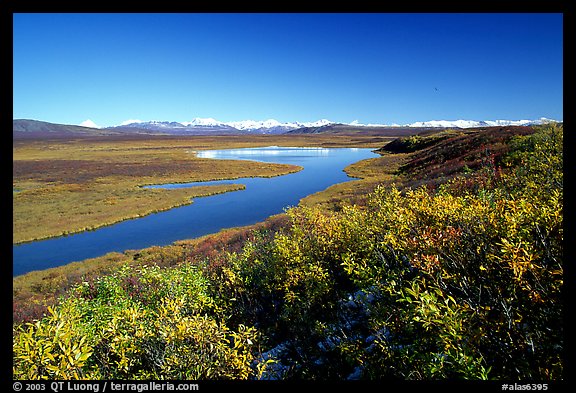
x,y
24,128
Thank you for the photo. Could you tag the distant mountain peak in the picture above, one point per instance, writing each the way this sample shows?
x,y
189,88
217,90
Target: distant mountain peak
x,y
199,121
89,123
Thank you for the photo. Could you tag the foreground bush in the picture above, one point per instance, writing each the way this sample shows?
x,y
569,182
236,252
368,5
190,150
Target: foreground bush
x,y
147,324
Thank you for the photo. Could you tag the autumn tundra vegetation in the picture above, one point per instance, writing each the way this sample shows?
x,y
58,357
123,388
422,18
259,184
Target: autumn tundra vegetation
x,y
69,185
451,268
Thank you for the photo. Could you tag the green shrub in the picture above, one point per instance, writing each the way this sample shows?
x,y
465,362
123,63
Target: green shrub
x,y
149,323
52,348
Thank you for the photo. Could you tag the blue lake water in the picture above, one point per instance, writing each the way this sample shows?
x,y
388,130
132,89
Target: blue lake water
x,y
262,198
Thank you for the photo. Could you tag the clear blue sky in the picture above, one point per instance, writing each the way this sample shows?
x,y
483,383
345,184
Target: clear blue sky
x,y
374,68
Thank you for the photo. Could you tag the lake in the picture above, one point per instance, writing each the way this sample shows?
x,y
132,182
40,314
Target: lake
x,y
262,198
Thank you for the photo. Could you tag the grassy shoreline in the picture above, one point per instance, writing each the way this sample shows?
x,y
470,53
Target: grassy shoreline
x,y
181,197
195,192
66,187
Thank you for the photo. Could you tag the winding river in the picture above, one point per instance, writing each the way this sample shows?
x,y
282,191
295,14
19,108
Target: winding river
x,y
262,198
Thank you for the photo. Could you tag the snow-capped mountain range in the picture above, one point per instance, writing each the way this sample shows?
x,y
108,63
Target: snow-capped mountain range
x,y
482,123
271,126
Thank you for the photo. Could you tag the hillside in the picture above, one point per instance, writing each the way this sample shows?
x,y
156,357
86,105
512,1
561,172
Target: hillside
x,y
459,279
439,156
35,129
345,129
22,128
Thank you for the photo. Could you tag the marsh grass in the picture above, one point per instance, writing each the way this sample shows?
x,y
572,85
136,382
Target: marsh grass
x,y
65,186
69,209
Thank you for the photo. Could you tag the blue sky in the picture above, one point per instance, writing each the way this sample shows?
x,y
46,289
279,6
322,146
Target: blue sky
x,y
373,68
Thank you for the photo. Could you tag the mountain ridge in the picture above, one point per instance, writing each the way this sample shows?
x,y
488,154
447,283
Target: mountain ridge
x,y
269,126
252,125
209,126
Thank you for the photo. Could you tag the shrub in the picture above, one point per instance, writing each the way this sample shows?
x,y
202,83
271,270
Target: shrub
x,y
150,323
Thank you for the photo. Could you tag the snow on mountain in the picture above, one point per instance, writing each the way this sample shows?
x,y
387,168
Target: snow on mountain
x,y
206,122
254,125
474,123
130,121
540,121
89,123
152,125
318,123
274,126
447,123
265,126
459,123
250,125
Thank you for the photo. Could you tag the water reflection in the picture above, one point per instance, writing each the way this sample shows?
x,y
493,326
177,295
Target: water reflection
x,y
254,152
